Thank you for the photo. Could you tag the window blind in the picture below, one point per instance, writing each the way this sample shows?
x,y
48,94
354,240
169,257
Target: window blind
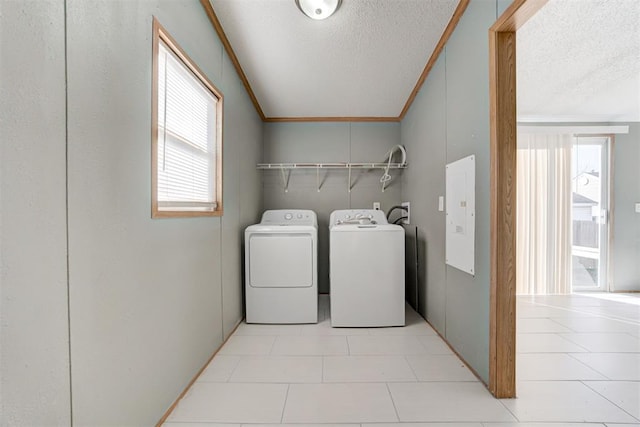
x,y
186,137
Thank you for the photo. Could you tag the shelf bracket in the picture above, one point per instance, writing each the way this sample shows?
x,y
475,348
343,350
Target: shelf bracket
x,y
318,186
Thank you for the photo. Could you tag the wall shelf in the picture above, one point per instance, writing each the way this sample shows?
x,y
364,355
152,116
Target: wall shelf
x,y
286,168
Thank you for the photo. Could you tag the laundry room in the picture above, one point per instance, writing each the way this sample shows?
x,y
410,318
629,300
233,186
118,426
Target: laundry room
x,y
121,282
324,190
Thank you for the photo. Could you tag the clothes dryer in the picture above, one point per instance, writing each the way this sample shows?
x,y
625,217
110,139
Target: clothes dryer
x,y
281,268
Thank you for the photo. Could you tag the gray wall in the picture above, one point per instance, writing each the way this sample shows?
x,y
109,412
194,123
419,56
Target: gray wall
x,y
329,142
149,300
626,222
449,120
34,352
424,135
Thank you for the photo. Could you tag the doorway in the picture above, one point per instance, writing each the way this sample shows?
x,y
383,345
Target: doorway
x,y
503,125
502,75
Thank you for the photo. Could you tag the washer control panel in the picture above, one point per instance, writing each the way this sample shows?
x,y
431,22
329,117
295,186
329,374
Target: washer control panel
x,y
357,216
289,217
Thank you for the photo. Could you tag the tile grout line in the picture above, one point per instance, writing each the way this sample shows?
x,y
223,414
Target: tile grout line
x,y
406,359
575,343
610,401
589,367
581,311
509,410
551,319
273,344
66,177
232,370
586,350
286,397
393,402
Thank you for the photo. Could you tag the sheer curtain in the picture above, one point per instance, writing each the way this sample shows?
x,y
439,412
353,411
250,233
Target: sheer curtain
x,y
543,258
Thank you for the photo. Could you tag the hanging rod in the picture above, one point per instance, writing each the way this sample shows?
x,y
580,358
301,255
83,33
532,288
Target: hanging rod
x,y
331,165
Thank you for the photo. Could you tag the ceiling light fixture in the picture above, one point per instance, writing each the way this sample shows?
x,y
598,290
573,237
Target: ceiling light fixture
x,y
318,9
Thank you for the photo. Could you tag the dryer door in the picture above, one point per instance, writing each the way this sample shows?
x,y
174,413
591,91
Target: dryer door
x,y
281,260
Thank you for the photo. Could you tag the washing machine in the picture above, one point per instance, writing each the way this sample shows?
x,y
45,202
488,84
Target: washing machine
x,y
366,269
281,268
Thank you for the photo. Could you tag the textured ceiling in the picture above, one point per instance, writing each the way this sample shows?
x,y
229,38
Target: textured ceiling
x,y
364,61
579,60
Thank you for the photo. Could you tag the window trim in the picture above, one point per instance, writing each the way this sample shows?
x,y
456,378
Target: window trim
x,y
160,34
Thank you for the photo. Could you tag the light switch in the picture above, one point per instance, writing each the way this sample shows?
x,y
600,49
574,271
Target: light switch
x,y
637,207
441,203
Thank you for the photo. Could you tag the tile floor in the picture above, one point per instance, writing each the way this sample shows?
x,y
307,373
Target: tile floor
x,y
578,362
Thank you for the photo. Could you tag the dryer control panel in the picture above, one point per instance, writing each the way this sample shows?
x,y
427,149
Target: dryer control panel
x,y
289,217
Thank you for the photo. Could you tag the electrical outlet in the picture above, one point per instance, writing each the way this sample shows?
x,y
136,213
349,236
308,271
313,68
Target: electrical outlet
x,y
637,207
407,213
376,206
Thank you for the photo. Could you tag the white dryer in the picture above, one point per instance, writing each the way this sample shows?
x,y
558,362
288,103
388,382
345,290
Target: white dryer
x,y
281,268
366,269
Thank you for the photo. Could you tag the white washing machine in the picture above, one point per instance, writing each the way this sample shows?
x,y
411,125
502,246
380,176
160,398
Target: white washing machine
x,y
366,269
281,268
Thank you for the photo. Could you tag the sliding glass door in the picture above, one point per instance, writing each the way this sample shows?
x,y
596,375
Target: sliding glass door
x,y
590,213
